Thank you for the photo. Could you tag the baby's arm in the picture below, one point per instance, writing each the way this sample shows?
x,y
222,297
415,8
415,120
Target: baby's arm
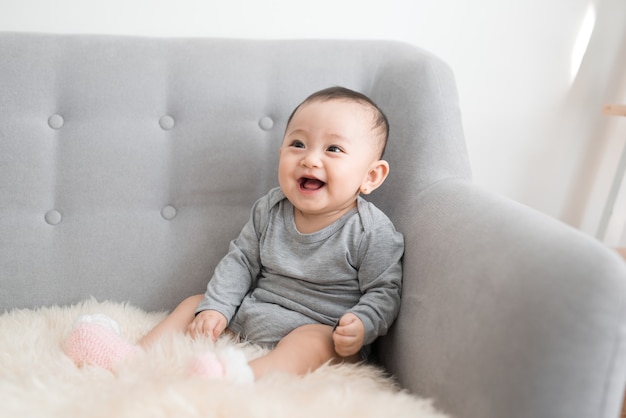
x,y
207,322
349,335
380,279
234,275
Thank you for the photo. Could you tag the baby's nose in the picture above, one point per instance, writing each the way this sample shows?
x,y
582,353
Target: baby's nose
x,y
310,160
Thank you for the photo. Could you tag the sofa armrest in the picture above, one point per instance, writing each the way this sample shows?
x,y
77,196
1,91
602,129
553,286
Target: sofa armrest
x,y
506,312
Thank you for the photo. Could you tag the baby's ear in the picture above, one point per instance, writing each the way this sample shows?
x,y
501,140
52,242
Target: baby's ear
x,y
378,172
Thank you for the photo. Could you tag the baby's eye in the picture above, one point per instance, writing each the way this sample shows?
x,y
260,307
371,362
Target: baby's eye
x,y
334,148
297,144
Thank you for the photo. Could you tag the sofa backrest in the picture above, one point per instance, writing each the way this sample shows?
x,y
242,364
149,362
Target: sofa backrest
x,y
128,164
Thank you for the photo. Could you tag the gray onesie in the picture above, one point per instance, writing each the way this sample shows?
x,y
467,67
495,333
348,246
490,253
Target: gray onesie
x,y
275,279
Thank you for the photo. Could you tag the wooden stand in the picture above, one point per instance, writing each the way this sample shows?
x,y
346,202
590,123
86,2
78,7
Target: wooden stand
x,y
617,110
612,110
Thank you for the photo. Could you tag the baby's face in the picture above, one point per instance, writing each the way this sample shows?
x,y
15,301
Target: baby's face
x,y
326,154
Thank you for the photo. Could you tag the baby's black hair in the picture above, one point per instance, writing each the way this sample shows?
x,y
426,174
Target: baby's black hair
x,y
381,124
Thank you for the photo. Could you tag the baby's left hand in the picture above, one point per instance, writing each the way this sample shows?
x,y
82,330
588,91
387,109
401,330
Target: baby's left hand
x,y
349,335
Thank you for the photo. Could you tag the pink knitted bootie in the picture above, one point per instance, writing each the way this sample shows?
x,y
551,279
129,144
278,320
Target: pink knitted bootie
x,y
207,365
95,341
229,363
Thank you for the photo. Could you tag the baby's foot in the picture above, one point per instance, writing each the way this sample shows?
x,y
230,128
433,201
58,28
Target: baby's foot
x,y
207,365
229,363
95,341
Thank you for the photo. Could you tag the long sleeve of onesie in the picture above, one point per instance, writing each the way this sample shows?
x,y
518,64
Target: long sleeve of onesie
x,y
380,280
236,272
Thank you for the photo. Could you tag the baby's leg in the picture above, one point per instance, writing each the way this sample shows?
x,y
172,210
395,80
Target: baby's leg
x,y
177,321
303,350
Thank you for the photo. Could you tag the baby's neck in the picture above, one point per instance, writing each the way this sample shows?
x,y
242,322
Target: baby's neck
x,y
307,223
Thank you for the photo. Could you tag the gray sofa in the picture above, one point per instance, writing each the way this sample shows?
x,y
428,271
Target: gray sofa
x,y
128,164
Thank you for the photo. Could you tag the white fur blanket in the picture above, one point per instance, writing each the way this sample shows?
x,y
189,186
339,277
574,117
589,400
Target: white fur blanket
x,y
38,380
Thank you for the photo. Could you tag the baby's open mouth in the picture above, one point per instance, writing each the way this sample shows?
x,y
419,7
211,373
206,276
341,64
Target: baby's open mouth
x,y
306,183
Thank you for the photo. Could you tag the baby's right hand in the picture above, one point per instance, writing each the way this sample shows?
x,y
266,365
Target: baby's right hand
x,y
211,323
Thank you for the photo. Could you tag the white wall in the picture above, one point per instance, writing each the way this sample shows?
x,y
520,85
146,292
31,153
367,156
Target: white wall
x,y
529,130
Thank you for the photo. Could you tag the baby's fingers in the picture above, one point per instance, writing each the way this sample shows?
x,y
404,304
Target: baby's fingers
x,y
195,328
200,327
217,329
346,345
208,323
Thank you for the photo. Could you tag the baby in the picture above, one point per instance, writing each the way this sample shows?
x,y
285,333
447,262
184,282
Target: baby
x,y
315,274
